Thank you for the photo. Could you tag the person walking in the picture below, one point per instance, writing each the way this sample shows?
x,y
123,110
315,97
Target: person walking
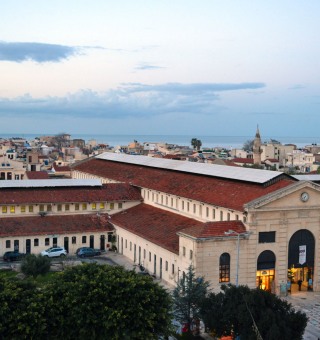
x,y
299,284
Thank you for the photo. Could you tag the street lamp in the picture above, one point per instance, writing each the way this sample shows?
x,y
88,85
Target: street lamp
x,y
246,233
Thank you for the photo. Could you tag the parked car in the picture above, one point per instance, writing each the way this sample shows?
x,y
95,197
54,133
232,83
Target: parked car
x,y
87,252
54,252
13,256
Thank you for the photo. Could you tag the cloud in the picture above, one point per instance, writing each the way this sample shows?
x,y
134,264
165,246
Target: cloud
x,y
297,87
129,100
39,52
146,66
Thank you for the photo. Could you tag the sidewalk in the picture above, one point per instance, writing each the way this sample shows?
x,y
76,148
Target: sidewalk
x,y
308,303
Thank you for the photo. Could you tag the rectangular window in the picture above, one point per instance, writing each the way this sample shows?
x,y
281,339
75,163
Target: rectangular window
x,y
194,209
237,217
171,201
213,214
23,208
166,266
182,205
59,208
144,254
166,200
8,244
130,246
161,199
12,209
4,209
77,206
188,206
267,237
94,206
47,241
67,207
84,206
41,207
126,244
111,206
101,206
149,256
119,205
207,212
183,251
228,217
191,255
31,208
36,242
172,269
74,240
84,239
49,207
221,215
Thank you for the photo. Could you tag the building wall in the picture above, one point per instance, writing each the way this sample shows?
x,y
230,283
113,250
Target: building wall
x,y
42,245
188,207
15,210
126,243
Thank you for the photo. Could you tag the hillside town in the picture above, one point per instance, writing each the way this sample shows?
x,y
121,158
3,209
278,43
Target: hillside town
x,y
52,156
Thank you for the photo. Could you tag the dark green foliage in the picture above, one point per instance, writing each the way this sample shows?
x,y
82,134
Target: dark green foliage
x,y
86,302
196,143
240,309
34,265
105,302
22,310
248,145
188,297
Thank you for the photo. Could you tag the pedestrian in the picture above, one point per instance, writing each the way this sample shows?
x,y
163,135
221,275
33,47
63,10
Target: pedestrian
x,y
289,286
299,284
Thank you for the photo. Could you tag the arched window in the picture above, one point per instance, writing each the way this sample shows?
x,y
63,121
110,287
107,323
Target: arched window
x,y
224,268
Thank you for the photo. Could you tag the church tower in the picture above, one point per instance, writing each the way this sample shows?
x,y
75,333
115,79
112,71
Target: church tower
x,y
257,148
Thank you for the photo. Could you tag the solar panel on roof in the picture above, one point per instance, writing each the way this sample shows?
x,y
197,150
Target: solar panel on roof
x,y
223,171
35,183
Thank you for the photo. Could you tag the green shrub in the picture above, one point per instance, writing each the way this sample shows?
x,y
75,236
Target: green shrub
x,y
34,265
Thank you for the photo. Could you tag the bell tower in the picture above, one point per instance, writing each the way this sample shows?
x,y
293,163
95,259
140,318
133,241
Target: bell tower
x,y
257,148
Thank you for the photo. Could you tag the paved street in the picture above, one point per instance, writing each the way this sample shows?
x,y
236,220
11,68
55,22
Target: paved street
x,y
309,303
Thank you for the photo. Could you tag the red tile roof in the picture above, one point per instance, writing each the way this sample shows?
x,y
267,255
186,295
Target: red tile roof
x,y
37,175
243,160
155,225
53,224
61,168
231,194
107,192
215,229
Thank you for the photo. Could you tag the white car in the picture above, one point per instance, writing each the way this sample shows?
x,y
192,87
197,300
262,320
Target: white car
x,y
54,252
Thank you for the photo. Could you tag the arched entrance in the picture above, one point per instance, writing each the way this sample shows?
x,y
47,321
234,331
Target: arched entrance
x,y
301,260
266,264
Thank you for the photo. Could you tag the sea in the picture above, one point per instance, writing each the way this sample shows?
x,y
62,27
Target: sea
x,y
227,142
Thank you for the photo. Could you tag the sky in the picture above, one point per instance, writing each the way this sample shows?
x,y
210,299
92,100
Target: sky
x,y
169,67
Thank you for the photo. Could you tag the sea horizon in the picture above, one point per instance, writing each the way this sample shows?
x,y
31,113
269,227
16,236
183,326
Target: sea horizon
x,y
229,142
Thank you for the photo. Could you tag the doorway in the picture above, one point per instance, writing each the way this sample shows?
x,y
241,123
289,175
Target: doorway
x,y
301,260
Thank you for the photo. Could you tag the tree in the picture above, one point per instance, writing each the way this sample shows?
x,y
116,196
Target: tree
x,y
248,145
107,302
33,265
196,143
22,312
252,314
188,297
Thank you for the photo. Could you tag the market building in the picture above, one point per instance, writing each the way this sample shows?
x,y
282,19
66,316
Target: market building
x,y
233,224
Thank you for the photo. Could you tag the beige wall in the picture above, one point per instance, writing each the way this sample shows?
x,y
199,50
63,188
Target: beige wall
x,y
60,242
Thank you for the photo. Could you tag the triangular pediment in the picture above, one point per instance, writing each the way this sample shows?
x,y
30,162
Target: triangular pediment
x,y
299,195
